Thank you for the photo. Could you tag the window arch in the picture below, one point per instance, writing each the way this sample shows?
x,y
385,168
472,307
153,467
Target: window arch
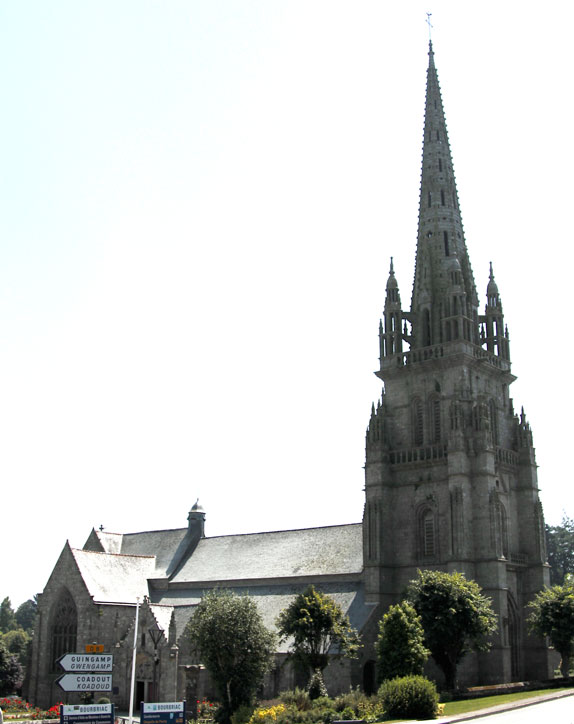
x,y
435,421
493,422
427,529
503,530
63,629
418,422
426,320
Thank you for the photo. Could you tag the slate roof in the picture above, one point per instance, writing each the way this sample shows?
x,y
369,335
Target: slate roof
x,y
162,544
114,578
333,550
271,599
270,567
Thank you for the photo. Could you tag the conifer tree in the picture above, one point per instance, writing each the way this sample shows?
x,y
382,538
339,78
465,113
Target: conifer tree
x,y
400,644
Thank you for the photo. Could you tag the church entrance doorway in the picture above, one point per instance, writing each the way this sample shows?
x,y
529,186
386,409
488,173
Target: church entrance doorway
x,y
144,692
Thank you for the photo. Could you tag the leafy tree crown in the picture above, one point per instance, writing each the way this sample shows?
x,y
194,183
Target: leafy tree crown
x,y
318,628
229,636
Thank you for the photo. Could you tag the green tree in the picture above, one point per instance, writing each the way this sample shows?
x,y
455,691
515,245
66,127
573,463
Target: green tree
x,y
11,674
228,634
553,616
318,629
560,544
26,614
17,642
400,644
456,617
7,616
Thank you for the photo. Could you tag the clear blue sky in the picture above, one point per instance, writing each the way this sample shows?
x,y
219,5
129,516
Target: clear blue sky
x,y
199,203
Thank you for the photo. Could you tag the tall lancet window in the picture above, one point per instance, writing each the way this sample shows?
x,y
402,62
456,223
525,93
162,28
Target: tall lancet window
x,y
435,419
64,628
427,533
493,422
417,421
426,328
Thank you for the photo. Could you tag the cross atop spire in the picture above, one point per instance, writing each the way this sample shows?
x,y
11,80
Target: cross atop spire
x,y
428,21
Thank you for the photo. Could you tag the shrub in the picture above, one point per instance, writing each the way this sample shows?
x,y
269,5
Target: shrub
x,y
242,715
353,699
317,686
348,713
367,708
400,644
296,698
409,697
268,715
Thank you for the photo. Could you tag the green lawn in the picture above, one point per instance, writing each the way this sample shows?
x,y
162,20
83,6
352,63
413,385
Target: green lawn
x,y
464,705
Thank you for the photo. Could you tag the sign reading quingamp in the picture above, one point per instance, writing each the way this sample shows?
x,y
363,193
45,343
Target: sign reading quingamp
x,y
85,682
87,662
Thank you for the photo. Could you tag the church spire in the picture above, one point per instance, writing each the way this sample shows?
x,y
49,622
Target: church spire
x,y
444,305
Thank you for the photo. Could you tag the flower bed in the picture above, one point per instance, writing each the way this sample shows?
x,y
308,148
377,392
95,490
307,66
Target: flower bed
x,y
18,709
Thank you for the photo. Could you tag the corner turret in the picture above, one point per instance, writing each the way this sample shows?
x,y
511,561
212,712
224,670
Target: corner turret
x,y
494,333
196,521
390,332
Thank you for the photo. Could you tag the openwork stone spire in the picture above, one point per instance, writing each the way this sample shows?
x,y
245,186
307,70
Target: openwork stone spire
x,y
444,303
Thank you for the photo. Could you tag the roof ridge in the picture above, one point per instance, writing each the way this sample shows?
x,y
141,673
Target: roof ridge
x,y
105,553
284,530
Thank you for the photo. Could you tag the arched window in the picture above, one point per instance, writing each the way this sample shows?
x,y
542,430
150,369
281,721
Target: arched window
x,y
504,530
418,424
369,678
446,249
435,419
427,533
64,628
493,422
426,328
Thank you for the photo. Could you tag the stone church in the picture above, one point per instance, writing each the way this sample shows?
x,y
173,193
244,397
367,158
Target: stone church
x,y
450,484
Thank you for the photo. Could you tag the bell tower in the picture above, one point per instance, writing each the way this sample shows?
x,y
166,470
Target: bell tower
x,y
451,480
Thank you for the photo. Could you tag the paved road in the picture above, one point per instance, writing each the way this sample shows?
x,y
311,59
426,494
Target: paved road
x,y
552,711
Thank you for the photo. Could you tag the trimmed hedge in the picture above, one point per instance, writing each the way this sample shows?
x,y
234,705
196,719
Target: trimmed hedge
x,y
409,697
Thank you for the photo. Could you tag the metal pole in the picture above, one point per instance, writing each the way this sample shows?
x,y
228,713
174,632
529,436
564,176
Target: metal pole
x,y
134,662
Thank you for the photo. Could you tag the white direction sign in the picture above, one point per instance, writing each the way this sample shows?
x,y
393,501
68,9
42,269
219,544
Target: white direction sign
x,y
87,662
85,682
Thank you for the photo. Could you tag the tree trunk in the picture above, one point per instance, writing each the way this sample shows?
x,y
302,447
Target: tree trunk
x,y
565,664
449,671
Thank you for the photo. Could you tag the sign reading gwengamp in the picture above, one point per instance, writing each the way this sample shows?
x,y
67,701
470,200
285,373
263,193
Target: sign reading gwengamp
x,y
87,662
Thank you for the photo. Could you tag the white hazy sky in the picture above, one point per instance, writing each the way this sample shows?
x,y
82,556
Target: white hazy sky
x,y
199,200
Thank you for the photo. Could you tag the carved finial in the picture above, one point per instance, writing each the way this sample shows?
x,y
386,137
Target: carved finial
x,y
491,272
392,269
